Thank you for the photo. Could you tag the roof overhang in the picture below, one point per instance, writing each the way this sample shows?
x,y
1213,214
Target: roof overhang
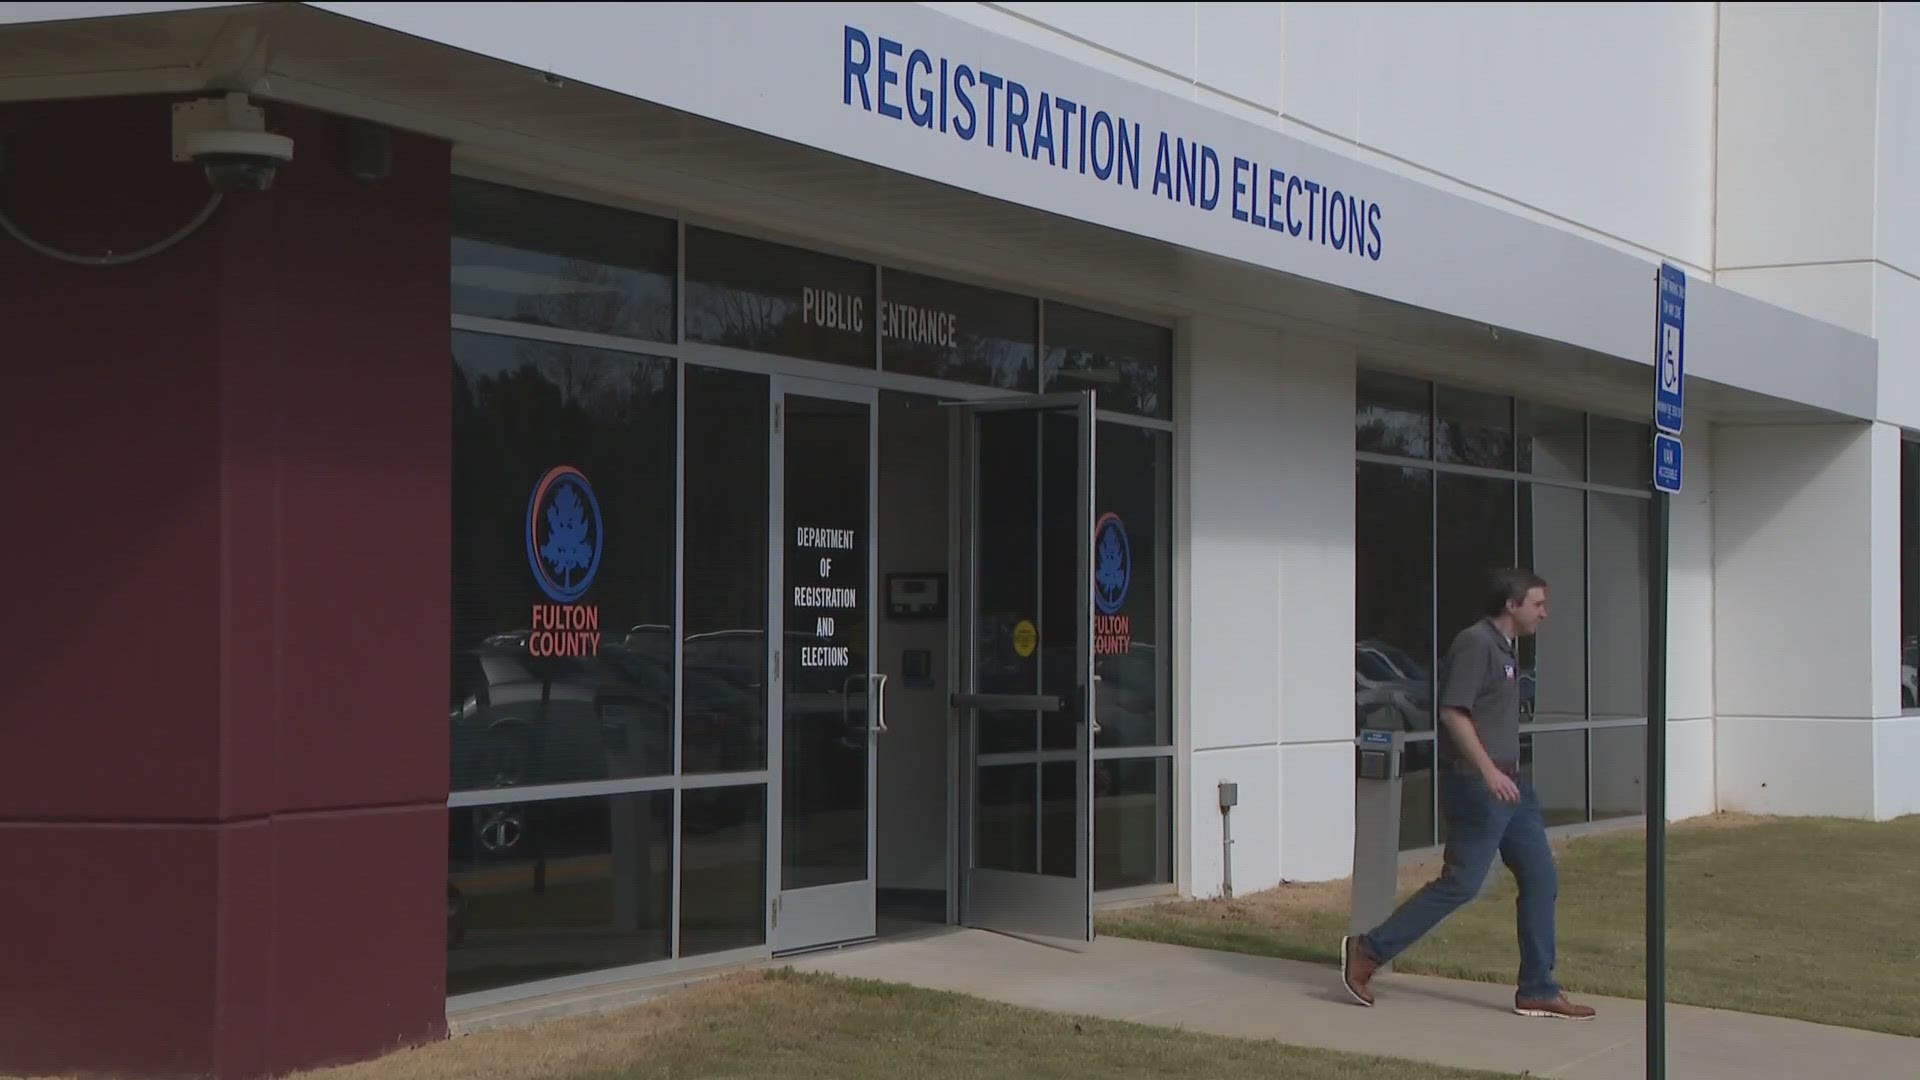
x,y
745,114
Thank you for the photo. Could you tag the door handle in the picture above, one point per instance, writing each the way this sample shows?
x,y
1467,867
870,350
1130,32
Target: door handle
x,y
880,704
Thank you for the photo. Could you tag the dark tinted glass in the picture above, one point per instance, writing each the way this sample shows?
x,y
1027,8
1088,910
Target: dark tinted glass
x,y
724,659
1131,586
1394,416
828,538
750,294
723,869
545,889
1132,822
1475,537
945,330
1553,664
1007,576
1471,428
562,563
1418,792
1128,364
1393,598
1552,443
1619,538
1622,453
1006,807
548,261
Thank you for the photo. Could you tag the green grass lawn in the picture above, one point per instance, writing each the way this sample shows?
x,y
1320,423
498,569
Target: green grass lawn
x,y
1806,918
786,1024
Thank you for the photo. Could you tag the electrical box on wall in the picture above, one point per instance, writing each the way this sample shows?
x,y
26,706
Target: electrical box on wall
x,y
916,596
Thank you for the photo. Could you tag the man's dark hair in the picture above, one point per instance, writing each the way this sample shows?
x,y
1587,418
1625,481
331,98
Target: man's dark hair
x,y
1510,586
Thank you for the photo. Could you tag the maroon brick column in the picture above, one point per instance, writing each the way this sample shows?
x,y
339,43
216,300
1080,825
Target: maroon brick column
x,y
223,660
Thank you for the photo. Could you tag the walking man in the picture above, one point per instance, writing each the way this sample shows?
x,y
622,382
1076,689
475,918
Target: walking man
x,y
1488,809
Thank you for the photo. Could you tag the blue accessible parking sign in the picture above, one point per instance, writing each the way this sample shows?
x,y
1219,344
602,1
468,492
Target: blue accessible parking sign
x,y
1667,462
1670,353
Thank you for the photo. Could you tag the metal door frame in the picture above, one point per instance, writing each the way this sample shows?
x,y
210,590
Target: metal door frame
x,y
827,915
998,910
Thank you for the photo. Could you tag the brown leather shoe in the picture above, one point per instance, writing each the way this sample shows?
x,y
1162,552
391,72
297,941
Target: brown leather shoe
x,y
1557,1009
1357,965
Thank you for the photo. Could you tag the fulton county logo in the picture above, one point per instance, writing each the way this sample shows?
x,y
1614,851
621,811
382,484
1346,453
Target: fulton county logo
x,y
1113,564
564,538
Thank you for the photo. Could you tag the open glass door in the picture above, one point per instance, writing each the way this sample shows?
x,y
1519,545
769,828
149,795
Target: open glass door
x,y
831,704
1026,702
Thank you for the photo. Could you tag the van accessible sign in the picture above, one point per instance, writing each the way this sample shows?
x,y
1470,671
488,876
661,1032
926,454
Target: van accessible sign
x,y
996,111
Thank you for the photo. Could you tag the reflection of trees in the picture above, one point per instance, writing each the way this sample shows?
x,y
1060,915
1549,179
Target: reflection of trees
x,y
1390,431
1140,382
521,407
738,318
599,297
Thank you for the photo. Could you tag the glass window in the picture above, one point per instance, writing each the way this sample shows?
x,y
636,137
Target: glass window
x,y
1393,593
1622,453
562,563
724,658
1476,537
547,261
1130,586
1553,664
750,294
1471,428
945,330
1551,443
1619,771
1618,537
723,869
1132,822
1556,762
1129,364
1394,416
1910,575
545,889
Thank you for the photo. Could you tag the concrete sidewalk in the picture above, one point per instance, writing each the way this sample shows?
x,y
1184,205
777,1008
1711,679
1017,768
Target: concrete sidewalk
x,y
1469,1025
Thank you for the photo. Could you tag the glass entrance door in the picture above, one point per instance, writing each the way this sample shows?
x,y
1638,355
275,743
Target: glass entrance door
x,y
1026,704
831,705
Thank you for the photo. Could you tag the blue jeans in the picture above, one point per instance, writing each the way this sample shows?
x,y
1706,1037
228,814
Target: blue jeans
x,y
1478,827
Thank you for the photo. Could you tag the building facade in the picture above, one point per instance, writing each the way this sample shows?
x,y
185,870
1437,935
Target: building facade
x,y
895,464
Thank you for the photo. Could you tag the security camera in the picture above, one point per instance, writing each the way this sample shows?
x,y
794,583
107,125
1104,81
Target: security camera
x,y
228,137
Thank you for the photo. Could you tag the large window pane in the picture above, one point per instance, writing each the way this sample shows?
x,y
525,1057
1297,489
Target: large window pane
x,y
1553,664
1620,560
1619,771
946,330
724,659
1556,761
562,664
1129,364
1474,538
1393,592
1393,415
1131,585
545,889
750,294
723,869
1472,428
1551,443
1132,822
1621,453
546,261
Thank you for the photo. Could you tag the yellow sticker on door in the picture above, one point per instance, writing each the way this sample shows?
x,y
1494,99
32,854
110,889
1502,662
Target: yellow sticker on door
x,y
1025,639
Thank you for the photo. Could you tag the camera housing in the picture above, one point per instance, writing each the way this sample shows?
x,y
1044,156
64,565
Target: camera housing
x,y
228,138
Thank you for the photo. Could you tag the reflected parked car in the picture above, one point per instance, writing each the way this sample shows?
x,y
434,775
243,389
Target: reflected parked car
x,y
1391,690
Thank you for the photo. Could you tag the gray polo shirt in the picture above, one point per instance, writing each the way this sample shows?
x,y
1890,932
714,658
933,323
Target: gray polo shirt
x,y
1482,677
